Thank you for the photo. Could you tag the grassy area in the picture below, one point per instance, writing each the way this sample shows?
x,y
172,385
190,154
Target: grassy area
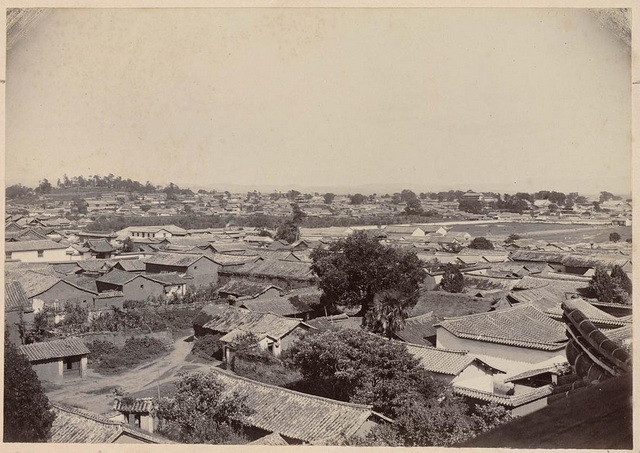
x,y
447,305
546,231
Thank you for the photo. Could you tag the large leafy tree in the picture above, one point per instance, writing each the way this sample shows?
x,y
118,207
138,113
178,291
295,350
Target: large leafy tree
x,y
27,413
200,412
353,270
356,366
481,243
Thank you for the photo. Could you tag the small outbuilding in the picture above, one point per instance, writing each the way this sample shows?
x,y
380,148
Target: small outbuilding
x,y
58,360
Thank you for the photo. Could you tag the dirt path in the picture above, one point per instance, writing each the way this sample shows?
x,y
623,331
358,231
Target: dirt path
x,y
95,392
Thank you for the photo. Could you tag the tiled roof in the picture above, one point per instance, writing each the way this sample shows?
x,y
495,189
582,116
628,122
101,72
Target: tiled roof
x,y
274,269
556,368
509,401
137,405
418,328
620,335
73,425
117,277
233,260
14,296
258,323
241,288
166,278
522,326
34,283
132,265
443,361
174,259
526,255
297,415
99,246
154,229
24,246
55,349
277,305
226,247
273,439
95,265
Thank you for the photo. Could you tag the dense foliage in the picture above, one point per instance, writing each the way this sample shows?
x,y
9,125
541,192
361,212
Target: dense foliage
x,y
200,412
108,358
452,279
388,313
352,271
481,243
616,288
352,365
208,347
27,412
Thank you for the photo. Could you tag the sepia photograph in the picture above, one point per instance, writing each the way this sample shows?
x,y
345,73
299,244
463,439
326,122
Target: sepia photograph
x,y
319,226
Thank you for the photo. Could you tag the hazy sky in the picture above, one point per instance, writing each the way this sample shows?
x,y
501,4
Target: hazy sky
x,y
499,99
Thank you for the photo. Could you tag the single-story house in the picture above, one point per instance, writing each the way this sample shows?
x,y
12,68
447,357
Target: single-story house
x,y
57,360
47,290
138,413
275,333
299,304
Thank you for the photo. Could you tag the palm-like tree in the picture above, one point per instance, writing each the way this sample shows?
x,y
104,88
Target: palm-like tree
x,y
389,311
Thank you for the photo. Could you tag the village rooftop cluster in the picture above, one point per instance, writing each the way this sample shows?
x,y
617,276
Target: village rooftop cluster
x,y
506,282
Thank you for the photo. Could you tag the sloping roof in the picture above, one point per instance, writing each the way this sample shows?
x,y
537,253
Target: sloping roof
x,y
240,288
526,255
297,415
274,269
154,229
166,278
99,246
233,260
598,417
55,349
418,328
273,439
175,259
14,296
25,246
226,247
117,277
278,305
208,312
34,283
258,323
74,425
132,265
137,405
509,401
438,360
522,326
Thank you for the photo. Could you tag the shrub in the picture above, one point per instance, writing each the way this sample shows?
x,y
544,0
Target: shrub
x,y
481,243
614,237
208,347
452,280
111,359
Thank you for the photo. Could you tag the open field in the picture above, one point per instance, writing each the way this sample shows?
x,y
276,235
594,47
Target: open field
x,y
547,231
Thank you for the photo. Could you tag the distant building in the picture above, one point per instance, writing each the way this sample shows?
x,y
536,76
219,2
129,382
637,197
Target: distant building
x,y
42,250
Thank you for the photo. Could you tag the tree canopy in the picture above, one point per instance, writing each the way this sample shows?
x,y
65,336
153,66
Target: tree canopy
x,y
481,243
199,412
615,288
356,366
452,280
352,271
27,413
